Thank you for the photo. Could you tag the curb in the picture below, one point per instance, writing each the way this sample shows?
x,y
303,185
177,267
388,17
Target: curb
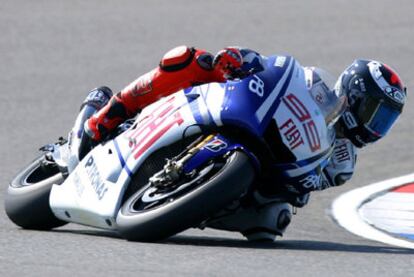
x,y
346,211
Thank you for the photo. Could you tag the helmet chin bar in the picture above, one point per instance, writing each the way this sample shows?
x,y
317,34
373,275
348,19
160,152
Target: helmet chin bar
x,y
359,135
359,142
352,134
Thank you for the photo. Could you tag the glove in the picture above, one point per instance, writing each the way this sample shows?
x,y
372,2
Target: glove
x,y
228,62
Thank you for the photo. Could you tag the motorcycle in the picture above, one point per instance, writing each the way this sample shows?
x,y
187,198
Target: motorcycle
x,y
188,160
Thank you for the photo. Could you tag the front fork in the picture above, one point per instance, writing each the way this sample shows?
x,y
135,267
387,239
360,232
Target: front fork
x,y
200,152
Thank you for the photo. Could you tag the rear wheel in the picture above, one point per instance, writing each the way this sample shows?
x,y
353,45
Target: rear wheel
x,y
27,199
156,213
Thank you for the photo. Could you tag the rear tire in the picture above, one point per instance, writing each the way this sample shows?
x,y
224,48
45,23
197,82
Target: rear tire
x,y
27,198
189,209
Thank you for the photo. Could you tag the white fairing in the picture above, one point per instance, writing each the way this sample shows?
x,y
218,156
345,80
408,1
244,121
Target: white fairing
x,y
88,195
302,124
92,193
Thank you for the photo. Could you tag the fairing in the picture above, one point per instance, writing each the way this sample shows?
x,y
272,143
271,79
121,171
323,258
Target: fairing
x,y
92,193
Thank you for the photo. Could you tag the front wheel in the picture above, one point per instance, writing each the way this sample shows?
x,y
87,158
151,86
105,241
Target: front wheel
x,y
152,214
27,198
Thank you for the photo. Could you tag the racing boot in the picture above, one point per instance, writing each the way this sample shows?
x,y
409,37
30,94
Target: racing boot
x,y
80,142
262,220
268,222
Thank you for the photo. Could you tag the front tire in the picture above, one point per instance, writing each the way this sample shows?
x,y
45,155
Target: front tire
x,y
189,209
27,198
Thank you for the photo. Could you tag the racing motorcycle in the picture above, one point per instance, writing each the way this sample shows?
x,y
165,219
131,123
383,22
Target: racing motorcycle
x,y
192,159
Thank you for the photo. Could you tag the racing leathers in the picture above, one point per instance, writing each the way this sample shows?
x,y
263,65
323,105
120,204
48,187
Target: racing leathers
x,y
342,161
183,67
180,68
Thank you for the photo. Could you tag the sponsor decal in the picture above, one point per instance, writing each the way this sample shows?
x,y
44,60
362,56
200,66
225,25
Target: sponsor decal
x,y
392,92
312,182
395,94
374,68
256,85
292,134
95,178
280,61
153,127
302,114
341,153
216,145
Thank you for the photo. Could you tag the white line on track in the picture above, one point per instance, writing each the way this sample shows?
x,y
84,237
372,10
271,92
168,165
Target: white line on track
x,y
345,211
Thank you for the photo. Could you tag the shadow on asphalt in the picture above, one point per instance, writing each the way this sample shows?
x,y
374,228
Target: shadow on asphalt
x,y
95,233
302,245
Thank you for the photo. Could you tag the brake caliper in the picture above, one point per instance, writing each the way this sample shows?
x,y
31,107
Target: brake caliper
x,y
173,170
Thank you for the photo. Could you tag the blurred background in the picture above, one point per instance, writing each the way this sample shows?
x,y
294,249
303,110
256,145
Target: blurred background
x,y
53,52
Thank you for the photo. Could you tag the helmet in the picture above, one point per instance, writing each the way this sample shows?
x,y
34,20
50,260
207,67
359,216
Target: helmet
x,y
376,98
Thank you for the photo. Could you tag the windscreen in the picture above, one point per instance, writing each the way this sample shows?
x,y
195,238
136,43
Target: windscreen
x,y
330,101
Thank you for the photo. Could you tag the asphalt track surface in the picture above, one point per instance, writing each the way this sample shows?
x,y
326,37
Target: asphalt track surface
x,y
53,52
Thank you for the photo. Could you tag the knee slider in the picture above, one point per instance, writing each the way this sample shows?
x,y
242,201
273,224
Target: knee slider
x,y
177,58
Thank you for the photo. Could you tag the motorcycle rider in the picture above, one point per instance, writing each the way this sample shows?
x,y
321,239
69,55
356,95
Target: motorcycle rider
x,y
180,68
374,92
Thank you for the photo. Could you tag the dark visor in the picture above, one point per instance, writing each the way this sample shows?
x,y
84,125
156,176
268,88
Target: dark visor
x,y
382,119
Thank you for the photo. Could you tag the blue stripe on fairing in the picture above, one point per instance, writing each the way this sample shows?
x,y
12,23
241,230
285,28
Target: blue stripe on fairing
x,y
282,93
194,106
121,159
210,117
407,236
